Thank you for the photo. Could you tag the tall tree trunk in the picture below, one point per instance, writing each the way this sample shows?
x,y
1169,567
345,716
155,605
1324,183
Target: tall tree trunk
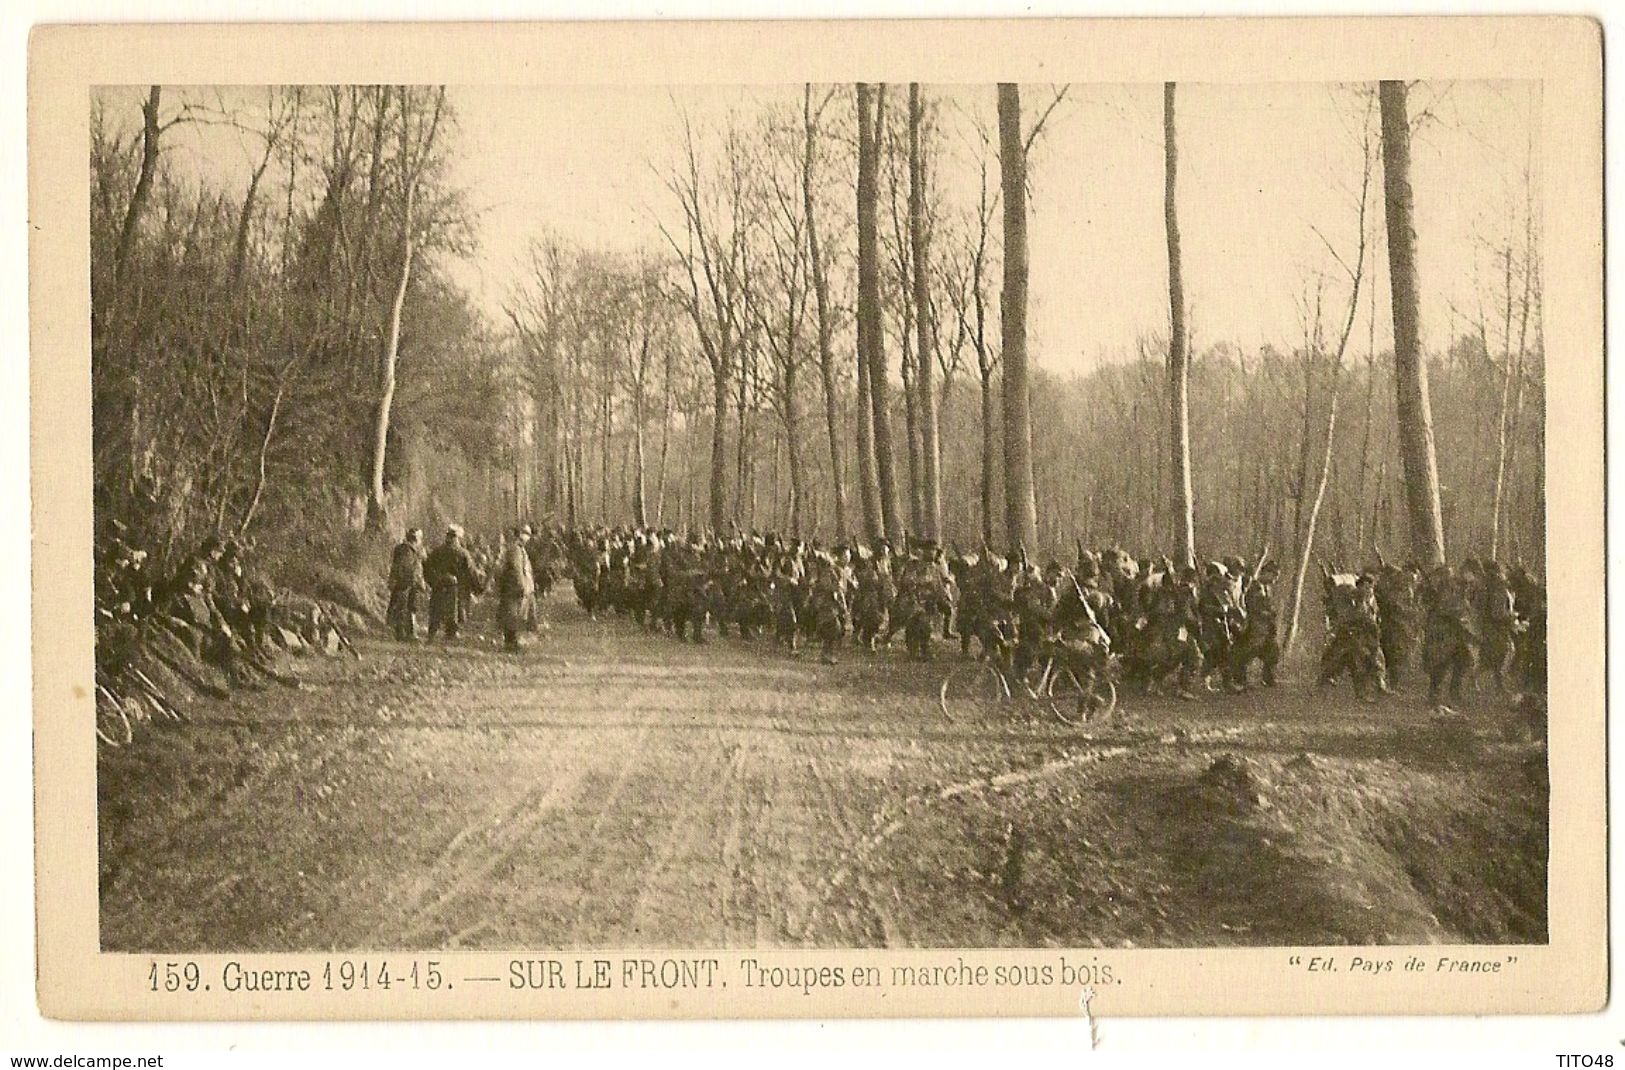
x,y
792,449
1414,414
376,514
665,445
685,496
605,422
871,333
1370,414
743,460
1515,421
640,490
571,519
1020,501
826,326
1307,537
926,347
1305,547
718,504
989,465
1179,373
1513,376
245,219
151,131
909,369
868,481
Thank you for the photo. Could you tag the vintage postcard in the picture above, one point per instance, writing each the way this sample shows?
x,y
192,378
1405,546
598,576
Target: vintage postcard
x,y
818,518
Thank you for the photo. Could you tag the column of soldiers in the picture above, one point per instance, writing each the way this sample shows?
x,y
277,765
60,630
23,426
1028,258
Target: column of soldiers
x,y
1174,629
1480,615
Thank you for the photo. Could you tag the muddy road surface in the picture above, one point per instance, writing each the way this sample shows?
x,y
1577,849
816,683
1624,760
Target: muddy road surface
x,y
610,787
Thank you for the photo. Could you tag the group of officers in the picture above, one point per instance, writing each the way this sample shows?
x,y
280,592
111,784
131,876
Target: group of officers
x,y
453,574
1163,627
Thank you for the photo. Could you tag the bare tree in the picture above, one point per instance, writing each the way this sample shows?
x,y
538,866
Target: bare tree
x,y
778,307
1356,275
1513,359
1179,371
1414,413
1020,502
152,131
821,303
871,333
419,125
925,321
972,316
712,264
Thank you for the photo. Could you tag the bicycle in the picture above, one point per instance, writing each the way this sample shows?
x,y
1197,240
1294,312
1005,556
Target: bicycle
x,y
1074,694
125,702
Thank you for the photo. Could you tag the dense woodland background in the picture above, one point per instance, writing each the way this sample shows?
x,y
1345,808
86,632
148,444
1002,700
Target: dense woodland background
x,y
281,349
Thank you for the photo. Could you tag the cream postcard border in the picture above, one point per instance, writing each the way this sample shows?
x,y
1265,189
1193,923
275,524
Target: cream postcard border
x,y
77,980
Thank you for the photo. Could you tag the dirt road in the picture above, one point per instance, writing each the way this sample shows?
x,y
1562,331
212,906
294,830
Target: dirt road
x,y
613,788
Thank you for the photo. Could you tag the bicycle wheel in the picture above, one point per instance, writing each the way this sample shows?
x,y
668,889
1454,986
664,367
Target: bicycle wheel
x,y
112,723
970,685
1076,701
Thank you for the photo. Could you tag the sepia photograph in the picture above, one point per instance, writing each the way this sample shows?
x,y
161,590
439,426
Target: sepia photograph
x,y
539,519
544,490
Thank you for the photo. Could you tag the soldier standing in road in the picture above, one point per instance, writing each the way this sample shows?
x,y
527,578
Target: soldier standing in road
x,y
450,570
406,582
516,586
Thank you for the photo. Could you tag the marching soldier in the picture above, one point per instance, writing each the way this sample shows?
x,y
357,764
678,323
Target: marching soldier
x,y
1354,637
786,607
1529,661
1036,600
1396,607
872,602
1259,640
1175,619
1496,612
1219,617
826,605
1448,639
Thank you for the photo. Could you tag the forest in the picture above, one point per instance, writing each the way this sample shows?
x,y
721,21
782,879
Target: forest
x,y
824,333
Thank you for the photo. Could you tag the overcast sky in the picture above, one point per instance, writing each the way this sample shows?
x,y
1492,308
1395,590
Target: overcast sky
x,y
1261,168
